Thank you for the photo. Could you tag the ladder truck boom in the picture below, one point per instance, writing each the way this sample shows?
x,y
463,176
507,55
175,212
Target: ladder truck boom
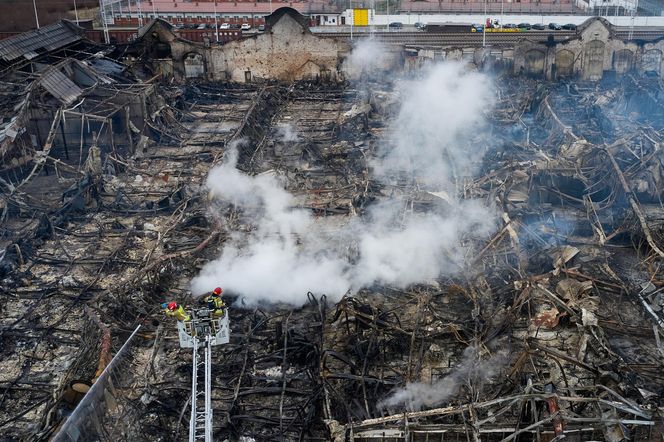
x,y
200,334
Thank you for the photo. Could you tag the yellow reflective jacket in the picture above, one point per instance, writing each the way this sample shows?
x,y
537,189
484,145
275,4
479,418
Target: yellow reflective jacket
x,y
216,304
178,314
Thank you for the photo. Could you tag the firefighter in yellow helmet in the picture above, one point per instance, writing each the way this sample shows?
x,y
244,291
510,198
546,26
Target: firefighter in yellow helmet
x,y
173,310
215,303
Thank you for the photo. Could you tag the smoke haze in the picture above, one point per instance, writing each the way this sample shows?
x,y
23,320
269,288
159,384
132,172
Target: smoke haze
x,y
368,57
286,133
268,263
289,252
470,370
432,130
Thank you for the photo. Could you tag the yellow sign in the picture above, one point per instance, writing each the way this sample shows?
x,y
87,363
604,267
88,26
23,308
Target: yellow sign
x,y
361,17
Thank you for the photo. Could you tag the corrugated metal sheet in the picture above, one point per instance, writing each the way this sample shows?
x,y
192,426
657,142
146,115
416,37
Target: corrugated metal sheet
x,y
13,102
106,66
61,87
31,44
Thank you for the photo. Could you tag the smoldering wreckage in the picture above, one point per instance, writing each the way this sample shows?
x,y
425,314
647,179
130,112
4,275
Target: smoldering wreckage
x,y
450,255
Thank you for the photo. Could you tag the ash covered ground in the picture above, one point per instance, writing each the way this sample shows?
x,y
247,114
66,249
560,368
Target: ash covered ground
x,y
451,253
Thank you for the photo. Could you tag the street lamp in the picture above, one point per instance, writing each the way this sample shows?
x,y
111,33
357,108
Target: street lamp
x,y
216,25
635,11
484,27
36,18
352,18
140,13
502,13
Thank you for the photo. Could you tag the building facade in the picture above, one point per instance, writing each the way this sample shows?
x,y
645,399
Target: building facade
x,y
185,14
595,52
491,6
286,51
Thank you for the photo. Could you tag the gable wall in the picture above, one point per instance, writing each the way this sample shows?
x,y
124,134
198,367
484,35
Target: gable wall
x,y
287,52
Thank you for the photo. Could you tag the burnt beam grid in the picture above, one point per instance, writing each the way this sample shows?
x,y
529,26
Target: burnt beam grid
x,y
96,238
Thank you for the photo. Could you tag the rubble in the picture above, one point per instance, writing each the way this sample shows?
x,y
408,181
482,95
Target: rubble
x,y
564,301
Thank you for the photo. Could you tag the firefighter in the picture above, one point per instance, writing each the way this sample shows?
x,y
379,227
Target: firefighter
x,y
173,310
215,303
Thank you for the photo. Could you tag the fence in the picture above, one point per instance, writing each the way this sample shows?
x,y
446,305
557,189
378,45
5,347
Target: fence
x,y
492,7
104,413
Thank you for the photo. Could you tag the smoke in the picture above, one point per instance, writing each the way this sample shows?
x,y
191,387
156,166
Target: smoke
x,y
432,129
423,248
288,253
286,133
432,144
368,57
279,261
471,370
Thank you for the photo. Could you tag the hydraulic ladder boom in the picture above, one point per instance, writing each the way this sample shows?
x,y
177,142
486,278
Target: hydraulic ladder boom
x,y
200,424
200,334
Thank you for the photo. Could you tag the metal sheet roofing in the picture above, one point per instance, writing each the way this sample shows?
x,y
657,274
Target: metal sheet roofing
x,y
183,7
61,87
106,66
30,44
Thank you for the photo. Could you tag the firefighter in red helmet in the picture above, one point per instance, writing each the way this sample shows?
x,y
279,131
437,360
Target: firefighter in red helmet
x,y
215,303
173,310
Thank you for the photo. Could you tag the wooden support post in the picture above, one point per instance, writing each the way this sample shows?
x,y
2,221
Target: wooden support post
x,y
129,138
110,135
635,205
64,138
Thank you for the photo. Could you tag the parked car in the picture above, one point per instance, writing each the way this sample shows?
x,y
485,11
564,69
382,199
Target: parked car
x,y
538,26
524,26
420,25
477,28
555,26
395,25
261,28
509,26
246,26
569,27
224,26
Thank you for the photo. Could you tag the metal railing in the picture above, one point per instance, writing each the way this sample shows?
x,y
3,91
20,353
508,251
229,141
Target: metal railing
x,y
103,413
492,7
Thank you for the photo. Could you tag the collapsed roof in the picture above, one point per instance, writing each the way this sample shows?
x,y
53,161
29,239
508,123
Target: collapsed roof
x,y
551,324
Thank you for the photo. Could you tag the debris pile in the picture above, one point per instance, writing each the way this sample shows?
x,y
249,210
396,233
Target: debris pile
x,y
553,327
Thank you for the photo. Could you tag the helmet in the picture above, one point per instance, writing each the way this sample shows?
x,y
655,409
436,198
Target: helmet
x,y
172,305
164,305
217,291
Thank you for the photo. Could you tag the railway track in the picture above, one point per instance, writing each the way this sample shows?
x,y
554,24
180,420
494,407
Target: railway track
x,y
475,39
451,39
641,35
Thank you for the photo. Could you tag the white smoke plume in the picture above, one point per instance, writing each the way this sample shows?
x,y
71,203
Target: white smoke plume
x,y
289,253
368,57
279,261
286,133
425,247
472,369
432,130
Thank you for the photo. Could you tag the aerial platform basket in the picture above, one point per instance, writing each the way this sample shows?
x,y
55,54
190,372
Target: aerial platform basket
x,y
203,323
